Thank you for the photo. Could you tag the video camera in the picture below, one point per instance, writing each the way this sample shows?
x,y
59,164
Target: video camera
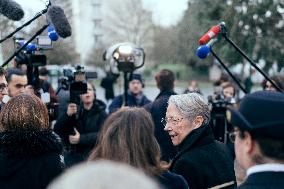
x,y
32,58
30,55
75,82
218,122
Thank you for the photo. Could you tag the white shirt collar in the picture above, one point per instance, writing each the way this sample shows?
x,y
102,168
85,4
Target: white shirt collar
x,y
276,167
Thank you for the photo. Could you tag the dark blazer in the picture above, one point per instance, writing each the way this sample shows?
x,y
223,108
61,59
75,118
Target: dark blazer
x,y
264,180
169,180
29,160
158,110
202,161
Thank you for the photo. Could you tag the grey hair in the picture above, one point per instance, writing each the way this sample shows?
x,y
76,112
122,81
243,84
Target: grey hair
x,y
191,105
103,174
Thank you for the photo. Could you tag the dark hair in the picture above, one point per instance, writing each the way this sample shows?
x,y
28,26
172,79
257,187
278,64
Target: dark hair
x,y
128,136
2,71
278,79
24,112
269,147
228,85
14,71
43,71
165,80
92,85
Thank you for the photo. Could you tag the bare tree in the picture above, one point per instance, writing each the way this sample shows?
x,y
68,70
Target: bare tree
x,y
127,20
95,58
6,27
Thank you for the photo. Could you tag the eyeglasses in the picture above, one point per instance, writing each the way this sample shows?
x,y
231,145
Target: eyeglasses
x,y
3,86
172,120
232,135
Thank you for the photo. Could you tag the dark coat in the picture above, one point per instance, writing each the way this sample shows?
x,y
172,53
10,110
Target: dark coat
x,y
29,160
169,180
131,101
88,124
202,161
264,180
158,110
107,83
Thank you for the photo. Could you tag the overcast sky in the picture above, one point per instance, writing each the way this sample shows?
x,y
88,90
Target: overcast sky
x,y
165,12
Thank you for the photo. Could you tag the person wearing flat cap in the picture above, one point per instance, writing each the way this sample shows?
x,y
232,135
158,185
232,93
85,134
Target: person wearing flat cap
x,y
259,139
135,96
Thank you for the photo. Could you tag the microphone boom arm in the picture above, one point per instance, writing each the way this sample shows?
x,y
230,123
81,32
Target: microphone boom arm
x,y
224,34
25,24
24,46
228,71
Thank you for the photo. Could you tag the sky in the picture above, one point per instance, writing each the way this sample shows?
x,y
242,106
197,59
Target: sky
x,y
165,12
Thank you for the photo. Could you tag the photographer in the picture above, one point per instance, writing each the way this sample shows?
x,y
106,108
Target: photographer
x,y
79,127
135,96
45,85
222,98
228,90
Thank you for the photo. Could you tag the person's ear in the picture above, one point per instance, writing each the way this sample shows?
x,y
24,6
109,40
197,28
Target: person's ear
x,y
249,143
198,121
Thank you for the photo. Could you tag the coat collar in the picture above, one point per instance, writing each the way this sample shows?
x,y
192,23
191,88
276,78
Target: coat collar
x,y
264,178
166,93
198,137
29,143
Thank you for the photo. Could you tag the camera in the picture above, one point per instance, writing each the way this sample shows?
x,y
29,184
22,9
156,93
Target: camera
x,y
218,122
32,59
75,82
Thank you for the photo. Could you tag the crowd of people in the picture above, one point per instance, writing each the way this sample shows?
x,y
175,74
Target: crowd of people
x,y
167,143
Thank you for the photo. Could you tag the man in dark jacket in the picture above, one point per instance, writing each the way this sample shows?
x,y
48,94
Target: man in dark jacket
x,y
165,82
107,83
135,96
202,161
259,139
79,128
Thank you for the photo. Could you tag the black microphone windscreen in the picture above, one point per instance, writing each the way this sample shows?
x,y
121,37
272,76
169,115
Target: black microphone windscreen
x,y
11,10
58,19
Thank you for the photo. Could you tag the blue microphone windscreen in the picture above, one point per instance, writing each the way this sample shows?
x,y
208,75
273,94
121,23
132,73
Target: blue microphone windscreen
x,y
52,33
203,51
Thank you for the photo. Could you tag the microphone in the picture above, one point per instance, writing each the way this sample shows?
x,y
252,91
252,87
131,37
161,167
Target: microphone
x,y
30,47
53,36
204,50
56,16
11,10
213,32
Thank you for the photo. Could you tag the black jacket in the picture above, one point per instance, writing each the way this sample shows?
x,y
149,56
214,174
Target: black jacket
x,y
29,160
202,161
131,101
264,180
88,124
158,110
169,180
